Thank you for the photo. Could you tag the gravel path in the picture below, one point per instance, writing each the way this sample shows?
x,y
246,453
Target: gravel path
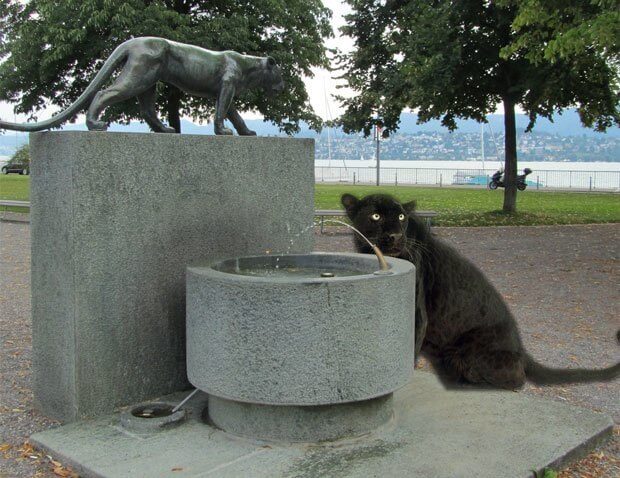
x,y
562,283
18,420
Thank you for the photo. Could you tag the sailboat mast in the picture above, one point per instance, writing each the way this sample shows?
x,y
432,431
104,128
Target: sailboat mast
x,y
328,115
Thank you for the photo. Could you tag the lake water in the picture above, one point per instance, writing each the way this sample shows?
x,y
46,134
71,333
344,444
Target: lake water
x,y
554,174
534,165
488,165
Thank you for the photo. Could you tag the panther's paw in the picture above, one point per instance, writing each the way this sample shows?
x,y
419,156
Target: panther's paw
x,y
96,125
223,131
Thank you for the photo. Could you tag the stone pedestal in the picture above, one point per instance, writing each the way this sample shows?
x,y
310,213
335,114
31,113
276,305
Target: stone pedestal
x,y
116,218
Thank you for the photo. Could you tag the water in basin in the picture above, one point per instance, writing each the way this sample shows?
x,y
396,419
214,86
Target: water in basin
x,y
304,273
295,266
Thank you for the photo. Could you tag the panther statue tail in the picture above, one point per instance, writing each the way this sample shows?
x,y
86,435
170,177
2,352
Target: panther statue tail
x,y
118,55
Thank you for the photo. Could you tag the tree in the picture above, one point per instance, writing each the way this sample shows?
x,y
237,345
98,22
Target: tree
x,y
460,58
21,156
53,48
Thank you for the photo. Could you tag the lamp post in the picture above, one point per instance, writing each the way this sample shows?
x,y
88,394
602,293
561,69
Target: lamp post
x,y
377,138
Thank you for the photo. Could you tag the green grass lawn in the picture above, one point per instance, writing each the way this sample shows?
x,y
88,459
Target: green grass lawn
x,y
481,207
456,206
17,187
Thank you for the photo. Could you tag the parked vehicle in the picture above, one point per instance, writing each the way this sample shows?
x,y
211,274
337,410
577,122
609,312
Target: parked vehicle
x,y
469,179
497,180
21,168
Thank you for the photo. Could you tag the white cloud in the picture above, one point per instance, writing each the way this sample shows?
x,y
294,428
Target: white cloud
x,y
323,85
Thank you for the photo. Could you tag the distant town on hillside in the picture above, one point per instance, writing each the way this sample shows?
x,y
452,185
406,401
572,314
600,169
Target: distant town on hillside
x,y
467,146
563,140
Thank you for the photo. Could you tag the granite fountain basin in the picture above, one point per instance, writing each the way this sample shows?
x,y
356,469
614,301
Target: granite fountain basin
x,y
292,341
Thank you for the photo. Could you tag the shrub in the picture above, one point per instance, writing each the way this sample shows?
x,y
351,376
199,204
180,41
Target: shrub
x,y
21,156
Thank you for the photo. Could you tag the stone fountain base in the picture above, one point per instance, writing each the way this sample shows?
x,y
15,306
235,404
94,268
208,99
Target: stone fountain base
x,y
434,433
300,424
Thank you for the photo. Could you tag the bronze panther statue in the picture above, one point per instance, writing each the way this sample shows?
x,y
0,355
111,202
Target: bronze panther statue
x,y
195,70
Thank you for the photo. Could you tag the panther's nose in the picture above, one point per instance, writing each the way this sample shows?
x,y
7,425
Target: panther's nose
x,y
396,237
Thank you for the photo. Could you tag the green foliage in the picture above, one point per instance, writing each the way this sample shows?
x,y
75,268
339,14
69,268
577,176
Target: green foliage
x,y
554,29
546,473
480,207
21,156
53,48
410,54
578,35
450,59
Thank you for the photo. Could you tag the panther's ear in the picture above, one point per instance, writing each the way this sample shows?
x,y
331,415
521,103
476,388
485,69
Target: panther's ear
x,y
271,62
410,206
349,202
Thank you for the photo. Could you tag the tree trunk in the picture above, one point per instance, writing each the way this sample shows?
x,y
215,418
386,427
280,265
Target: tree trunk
x,y
173,107
510,148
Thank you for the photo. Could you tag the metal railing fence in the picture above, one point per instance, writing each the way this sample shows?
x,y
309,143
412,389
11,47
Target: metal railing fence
x,y
538,179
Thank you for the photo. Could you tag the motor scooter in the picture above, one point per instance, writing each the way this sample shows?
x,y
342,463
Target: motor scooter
x,y
497,180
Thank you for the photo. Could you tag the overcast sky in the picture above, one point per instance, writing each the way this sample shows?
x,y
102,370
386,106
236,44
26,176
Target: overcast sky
x,y
320,87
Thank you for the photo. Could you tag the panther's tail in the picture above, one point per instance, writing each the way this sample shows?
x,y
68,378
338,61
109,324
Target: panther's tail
x,y
542,375
117,56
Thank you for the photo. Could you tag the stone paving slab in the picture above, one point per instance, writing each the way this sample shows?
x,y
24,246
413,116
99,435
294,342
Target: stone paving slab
x,y
435,433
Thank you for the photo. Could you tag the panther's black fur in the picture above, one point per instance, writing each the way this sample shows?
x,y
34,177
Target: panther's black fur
x,y
461,320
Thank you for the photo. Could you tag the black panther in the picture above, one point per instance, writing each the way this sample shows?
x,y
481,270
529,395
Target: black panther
x,y
461,321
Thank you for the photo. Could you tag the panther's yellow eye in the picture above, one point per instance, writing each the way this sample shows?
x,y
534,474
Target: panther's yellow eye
x,y
375,217
401,217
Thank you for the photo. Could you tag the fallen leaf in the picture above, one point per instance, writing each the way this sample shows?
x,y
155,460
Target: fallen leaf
x,y
177,468
26,449
5,447
60,471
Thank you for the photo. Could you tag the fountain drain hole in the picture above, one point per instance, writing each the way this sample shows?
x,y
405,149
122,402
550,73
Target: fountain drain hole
x,y
152,411
151,417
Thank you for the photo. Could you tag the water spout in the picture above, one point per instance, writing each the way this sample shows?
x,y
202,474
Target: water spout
x,y
382,263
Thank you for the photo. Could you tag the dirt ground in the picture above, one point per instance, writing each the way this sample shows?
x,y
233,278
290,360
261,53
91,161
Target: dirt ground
x,y
561,282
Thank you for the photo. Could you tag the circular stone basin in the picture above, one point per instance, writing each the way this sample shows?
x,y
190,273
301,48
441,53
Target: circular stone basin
x,y
274,330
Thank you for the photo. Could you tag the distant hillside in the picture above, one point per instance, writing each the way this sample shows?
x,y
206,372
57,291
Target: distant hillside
x,y
565,125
